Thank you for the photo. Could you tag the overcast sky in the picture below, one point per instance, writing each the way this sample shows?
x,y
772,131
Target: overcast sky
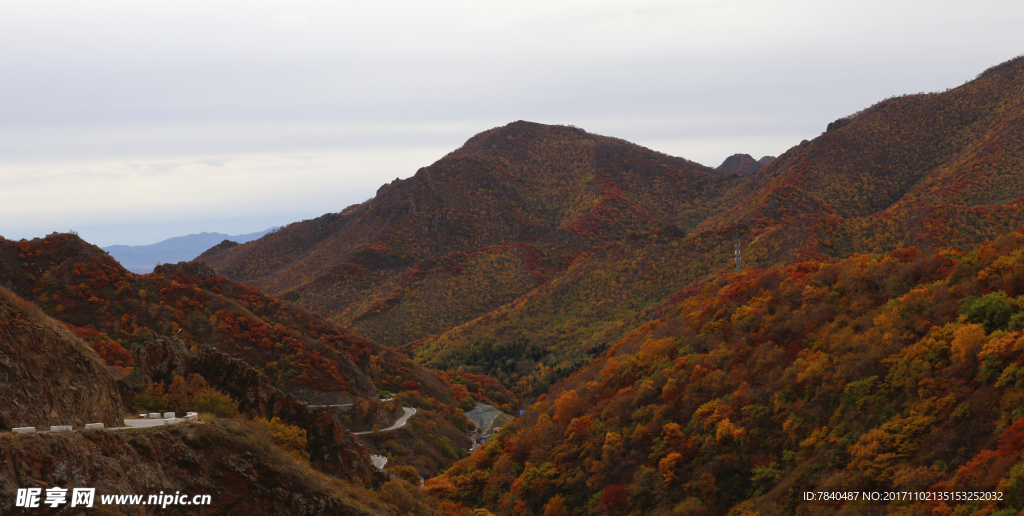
x,y
132,122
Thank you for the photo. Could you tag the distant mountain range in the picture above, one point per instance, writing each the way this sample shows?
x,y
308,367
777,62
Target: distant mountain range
x,y
142,259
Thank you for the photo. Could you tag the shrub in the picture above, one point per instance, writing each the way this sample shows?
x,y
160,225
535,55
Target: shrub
x,y
441,487
216,403
407,473
182,393
153,399
288,437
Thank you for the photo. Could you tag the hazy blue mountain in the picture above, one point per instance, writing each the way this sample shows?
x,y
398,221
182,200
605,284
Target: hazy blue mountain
x,y
141,259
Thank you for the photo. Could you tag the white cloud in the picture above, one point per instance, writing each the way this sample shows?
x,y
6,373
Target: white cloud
x,y
290,20
108,110
103,193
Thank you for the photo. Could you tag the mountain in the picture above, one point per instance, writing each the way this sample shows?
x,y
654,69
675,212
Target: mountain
x,y
271,462
532,249
508,211
935,171
744,164
141,259
889,373
52,377
234,463
119,313
932,170
867,338
115,310
868,344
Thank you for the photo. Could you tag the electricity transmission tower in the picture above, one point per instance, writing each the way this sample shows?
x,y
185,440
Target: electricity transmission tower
x,y
736,247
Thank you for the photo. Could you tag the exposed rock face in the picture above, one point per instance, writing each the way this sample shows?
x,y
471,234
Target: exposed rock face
x,y
744,164
241,473
366,414
332,449
838,124
47,375
483,415
315,397
159,360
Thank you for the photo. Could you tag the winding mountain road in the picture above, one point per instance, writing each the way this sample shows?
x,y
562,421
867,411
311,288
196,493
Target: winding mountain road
x,y
346,404
378,461
406,414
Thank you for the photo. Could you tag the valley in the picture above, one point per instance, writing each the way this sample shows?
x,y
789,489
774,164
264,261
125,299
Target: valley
x,y
871,338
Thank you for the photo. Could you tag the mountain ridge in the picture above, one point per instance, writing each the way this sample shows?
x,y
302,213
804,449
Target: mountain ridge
x,y
141,259
924,170
744,164
777,219
552,191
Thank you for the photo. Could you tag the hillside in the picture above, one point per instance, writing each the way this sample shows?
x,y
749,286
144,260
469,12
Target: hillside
x,y
546,244
118,313
306,464
876,181
50,377
115,310
923,169
235,463
876,372
508,211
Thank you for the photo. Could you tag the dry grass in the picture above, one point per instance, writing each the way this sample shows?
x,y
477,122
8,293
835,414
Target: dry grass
x,y
257,438
37,315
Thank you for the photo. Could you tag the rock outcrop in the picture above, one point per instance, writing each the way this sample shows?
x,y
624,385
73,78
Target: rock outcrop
x,y
49,376
229,460
158,360
332,449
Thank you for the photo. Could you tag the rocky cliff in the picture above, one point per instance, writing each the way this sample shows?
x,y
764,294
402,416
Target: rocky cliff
x,y
332,449
232,461
47,375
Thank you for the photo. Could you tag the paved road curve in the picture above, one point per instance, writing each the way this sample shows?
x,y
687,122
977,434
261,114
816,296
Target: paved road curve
x,y
378,461
345,404
406,414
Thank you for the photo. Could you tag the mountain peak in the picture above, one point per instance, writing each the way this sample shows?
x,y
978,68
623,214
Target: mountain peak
x,y
744,164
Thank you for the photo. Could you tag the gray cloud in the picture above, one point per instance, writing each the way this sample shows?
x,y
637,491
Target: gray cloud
x,y
362,90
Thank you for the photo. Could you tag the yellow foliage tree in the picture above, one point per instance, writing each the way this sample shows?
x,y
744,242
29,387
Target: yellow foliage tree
x,y
441,487
288,437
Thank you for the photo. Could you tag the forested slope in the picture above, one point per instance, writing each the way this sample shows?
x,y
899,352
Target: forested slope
x,y
932,170
897,371
922,169
532,248
116,311
506,212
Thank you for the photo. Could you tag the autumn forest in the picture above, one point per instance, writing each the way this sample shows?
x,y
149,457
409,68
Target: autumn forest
x,y
871,338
